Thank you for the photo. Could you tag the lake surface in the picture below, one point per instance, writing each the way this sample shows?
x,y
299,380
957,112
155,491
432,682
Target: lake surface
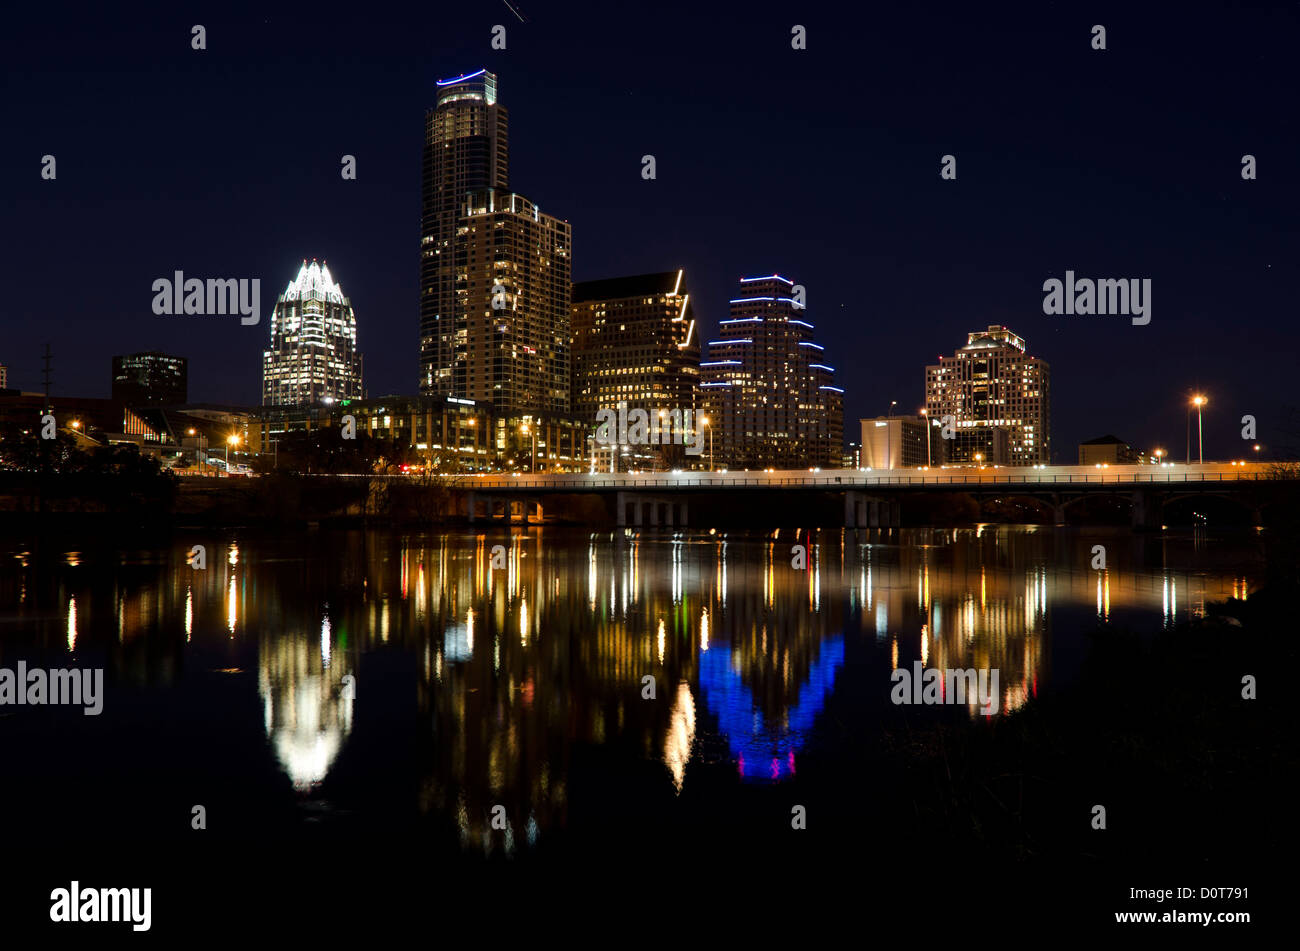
x,y
486,692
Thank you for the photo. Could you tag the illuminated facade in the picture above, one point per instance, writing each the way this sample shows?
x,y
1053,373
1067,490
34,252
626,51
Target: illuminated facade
x,y
769,396
466,148
449,432
494,269
313,354
512,305
992,383
634,341
898,442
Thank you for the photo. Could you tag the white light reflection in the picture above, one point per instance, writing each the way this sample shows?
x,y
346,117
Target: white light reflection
x,y
232,605
325,641
680,736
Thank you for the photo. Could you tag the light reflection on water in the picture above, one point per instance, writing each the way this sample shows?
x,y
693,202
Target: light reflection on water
x,y
530,644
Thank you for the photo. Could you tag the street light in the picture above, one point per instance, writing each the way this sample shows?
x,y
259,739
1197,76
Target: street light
x,y
704,421
925,414
892,404
1158,454
532,462
1198,401
232,440
979,458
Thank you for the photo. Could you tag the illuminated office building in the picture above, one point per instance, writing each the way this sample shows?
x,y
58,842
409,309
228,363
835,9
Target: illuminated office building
x,y
313,355
899,442
993,384
494,269
634,342
767,390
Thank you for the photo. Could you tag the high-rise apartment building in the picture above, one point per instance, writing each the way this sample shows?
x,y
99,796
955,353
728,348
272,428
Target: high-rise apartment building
x,y
466,149
141,379
993,384
634,342
313,354
4,377
512,304
494,269
768,392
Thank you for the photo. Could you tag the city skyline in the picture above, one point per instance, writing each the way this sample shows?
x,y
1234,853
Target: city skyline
x,y
970,252
752,437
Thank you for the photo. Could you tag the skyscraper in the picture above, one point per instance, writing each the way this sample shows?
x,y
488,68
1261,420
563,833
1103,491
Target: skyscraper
x,y
769,395
150,378
511,348
466,148
313,354
634,341
993,384
494,269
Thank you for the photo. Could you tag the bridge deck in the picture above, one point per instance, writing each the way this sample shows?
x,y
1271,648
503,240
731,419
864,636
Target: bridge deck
x,y
1064,477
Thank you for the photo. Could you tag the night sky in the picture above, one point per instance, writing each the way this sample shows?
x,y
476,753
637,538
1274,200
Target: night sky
x,y
822,164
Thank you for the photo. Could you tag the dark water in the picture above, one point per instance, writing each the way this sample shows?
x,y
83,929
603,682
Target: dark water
x,y
472,695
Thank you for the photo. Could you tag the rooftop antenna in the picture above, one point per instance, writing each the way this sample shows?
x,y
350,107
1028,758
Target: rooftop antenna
x,y
47,374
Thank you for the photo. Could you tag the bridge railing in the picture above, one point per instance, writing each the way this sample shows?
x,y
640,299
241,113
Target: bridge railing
x,y
843,479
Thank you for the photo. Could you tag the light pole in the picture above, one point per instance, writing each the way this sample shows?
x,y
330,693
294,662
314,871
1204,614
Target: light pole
x,y
925,415
704,421
1159,454
1198,401
232,440
532,460
892,404
979,458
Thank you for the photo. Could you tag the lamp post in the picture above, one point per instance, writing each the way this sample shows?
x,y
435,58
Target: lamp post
x,y
925,415
532,460
231,440
704,421
1159,453
1198,401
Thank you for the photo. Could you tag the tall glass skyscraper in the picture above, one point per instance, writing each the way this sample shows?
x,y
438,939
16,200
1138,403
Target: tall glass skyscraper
x,y
313,354
494,269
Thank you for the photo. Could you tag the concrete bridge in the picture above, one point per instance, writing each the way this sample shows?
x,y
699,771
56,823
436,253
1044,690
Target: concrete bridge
x,y
871,498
